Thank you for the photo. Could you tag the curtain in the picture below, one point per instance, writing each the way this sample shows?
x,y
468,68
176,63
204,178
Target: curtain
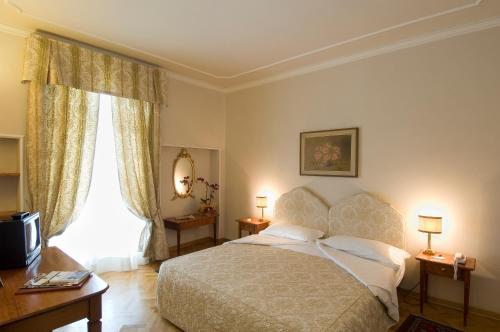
x,y
136,128
61,133
65,79
59,62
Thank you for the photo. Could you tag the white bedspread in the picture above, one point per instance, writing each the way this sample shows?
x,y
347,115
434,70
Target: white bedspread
x,y
381,280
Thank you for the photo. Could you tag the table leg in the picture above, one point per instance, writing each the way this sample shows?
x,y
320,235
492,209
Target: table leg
x,y
239,230
215,232
466,294
178,242
422,286
95,313
426,287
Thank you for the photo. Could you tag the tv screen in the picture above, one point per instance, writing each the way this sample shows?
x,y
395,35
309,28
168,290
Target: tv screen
x,y
31,231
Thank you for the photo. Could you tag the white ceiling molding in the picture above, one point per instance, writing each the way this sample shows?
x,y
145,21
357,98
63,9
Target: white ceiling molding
x,y
441,35
192,81
14,31
305,69
350,40
295,57
421,40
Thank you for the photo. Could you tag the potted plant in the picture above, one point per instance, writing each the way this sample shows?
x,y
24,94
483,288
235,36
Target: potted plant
x,y
207,204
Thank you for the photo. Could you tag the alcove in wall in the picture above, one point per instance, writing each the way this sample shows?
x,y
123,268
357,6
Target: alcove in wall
x,y
207,163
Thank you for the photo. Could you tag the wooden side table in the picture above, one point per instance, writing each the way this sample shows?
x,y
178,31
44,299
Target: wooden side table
x,y
46,311
444,268
200,219
251,225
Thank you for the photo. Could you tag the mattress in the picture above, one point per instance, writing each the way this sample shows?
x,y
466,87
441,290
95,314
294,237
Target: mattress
x,y
246,287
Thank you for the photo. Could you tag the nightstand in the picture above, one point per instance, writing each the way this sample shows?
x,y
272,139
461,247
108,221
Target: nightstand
x,y
251,225
444,268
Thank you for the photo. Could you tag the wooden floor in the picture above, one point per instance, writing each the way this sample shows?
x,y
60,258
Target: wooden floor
x,y
129,306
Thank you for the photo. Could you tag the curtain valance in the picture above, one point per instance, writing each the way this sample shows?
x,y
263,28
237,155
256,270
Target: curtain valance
x,y
52,61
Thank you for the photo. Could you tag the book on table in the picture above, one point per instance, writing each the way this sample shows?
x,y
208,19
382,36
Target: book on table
x,y
55,280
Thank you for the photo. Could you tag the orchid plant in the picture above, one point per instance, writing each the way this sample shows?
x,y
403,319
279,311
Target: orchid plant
x,y
210,190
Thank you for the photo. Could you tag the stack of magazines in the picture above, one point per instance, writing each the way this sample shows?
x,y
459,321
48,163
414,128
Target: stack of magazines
x,y
56,280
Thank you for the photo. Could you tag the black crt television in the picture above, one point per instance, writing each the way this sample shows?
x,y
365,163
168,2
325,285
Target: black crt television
x,y
20,241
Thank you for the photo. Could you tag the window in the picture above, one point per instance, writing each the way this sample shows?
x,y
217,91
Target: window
x,y
105,236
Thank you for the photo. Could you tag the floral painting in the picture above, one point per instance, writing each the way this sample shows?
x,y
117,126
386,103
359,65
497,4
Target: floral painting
x,y
329,152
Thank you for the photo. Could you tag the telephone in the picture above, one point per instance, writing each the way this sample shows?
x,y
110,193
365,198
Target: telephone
x,y
459,259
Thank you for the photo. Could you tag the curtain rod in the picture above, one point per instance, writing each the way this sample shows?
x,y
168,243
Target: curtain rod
x,y
95,48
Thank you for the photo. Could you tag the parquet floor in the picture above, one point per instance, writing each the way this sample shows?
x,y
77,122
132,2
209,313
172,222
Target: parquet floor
x,y
129,306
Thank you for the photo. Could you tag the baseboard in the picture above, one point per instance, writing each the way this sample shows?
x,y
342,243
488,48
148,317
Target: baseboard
x,y
457,306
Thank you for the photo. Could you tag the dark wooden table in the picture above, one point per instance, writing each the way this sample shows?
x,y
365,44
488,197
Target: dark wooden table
x,y
444,268
46,311
200,219
251,225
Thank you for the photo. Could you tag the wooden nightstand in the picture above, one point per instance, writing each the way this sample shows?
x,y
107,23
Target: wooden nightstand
x,y
444,268
251,225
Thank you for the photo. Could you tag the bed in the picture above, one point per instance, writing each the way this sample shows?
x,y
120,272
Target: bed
x,y
263,283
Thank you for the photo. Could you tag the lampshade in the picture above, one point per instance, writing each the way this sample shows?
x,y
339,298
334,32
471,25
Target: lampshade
x,y
261,201
430,224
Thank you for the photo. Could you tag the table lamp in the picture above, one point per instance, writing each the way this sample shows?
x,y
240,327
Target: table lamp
x,y
430,225
262,204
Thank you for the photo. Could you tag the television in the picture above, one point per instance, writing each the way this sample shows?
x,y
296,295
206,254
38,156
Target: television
x,y
20,241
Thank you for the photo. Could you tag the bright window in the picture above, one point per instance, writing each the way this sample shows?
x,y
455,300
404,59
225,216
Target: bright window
x,y
105,236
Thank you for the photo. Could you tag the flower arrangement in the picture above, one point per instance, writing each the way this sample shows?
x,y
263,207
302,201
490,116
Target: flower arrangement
x,y
206,203
188,183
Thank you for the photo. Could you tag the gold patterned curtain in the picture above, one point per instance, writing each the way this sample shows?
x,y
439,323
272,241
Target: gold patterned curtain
x,y
65,80
52,61
61,133
136,129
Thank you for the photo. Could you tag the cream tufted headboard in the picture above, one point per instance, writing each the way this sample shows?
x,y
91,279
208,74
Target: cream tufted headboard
x,y
366,216
301,207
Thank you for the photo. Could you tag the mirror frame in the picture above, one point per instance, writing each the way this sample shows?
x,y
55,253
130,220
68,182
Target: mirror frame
x,y
183,155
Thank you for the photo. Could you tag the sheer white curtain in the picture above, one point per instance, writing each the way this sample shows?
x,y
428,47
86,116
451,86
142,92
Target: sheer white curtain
x,y
105,236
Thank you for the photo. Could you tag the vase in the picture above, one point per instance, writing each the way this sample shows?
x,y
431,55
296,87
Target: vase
x,y
208,208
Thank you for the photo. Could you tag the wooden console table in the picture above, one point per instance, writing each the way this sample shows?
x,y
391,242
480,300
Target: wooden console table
x,y
46,311
199,220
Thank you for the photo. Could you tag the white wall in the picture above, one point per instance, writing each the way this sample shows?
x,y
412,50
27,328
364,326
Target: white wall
x,y
13,100
429,120
195,118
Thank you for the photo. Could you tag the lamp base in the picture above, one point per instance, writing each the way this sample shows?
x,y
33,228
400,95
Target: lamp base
x,y
429,252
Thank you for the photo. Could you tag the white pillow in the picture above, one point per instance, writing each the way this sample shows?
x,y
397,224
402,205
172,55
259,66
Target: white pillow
x,y
294,232
381,252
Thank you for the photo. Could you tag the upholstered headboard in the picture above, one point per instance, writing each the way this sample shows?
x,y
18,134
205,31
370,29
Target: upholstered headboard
x,y
366,216
301,207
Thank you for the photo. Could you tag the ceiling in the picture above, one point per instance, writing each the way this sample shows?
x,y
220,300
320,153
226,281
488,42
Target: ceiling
x,y
234,43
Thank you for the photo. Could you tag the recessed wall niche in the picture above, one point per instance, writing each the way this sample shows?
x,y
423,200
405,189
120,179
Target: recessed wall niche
x,y
207,165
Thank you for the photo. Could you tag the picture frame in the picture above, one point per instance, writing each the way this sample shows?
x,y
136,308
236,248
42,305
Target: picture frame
x,y
329,152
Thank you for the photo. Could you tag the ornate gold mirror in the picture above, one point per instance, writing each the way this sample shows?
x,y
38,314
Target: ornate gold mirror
x,y
183,175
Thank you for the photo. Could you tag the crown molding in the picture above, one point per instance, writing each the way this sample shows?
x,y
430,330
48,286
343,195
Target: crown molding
x,y
192,81
14,31
417,41
357,38
295,57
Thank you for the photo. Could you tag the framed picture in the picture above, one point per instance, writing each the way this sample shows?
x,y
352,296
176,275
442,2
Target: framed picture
x,y
329,152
